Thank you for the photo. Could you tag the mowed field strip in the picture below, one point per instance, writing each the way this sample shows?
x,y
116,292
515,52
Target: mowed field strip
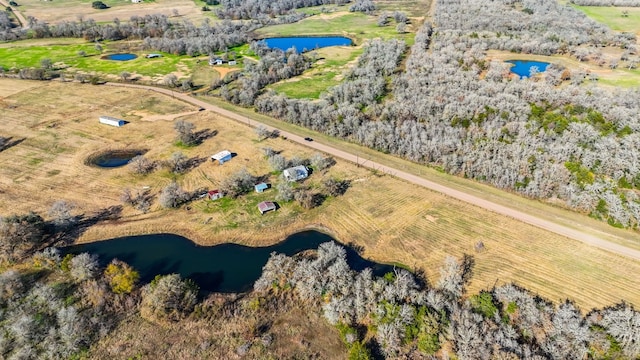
x,y
394,220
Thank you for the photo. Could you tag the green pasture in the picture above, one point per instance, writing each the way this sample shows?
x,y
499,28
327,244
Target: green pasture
x,y
612,17
308,87
332,61
357,26
63,56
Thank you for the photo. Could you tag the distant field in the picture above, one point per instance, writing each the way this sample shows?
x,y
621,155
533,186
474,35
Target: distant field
x,y
393,220
64,54
327,72
56,11
358,26
621,76
612,17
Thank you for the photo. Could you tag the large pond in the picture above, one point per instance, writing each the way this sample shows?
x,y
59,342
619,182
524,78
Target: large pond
x,y
523,68
303,44
221,268
121,57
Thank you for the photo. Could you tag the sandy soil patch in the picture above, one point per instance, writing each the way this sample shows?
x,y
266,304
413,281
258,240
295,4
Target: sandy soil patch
x,y
224,70
8,88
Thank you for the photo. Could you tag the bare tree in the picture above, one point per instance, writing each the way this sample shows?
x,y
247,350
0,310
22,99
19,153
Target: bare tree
x,y
185,132
84,266
125,75
141,165
173,196
262,132
169,297
238,183
171,80
178,162
60,211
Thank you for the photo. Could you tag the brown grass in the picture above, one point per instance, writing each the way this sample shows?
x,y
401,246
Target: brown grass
x,y
57,11
393,220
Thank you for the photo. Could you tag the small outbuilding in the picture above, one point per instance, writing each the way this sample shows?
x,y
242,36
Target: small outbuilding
x,y
214,194
261,187
151,56
222,157
233,62
296,173
266,206
108,120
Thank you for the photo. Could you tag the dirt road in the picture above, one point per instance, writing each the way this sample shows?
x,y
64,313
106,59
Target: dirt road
x,y
456,194
16,12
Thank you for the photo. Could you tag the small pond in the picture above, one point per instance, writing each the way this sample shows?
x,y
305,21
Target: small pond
x,y
113,159
523,68
221,268
303,44
120,57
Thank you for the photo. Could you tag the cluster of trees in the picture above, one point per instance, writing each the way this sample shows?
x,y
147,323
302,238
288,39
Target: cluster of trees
x,y
550,137
254,9
405,317
624,3
274,65
56,307
365,6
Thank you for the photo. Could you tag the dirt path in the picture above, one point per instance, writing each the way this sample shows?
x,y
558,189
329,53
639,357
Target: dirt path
x,y
17,13
456,194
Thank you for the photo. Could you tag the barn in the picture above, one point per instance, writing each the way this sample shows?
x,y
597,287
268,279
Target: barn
x,y
261,187
266,206
222,157
108,120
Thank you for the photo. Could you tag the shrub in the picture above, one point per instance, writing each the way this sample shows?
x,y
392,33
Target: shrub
x,y
99,5
169,297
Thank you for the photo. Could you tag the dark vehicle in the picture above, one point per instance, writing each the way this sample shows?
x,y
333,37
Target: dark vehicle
x,y
308,139
201,109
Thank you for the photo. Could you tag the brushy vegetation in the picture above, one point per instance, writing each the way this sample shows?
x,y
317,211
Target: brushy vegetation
x,y
57,307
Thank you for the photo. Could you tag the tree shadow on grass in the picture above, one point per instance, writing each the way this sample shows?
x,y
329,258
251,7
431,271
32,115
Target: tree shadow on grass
x,y
200,136
65,235
6,143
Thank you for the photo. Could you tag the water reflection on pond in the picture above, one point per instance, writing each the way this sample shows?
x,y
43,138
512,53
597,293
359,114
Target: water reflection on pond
x,y
222,268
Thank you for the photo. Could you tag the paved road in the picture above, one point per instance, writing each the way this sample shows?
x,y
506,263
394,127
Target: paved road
x,y
16,12
456,194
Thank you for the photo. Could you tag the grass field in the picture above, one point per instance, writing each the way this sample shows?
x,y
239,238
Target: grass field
x,y
57,11
64,54
393,220
612,17
357,26
328,71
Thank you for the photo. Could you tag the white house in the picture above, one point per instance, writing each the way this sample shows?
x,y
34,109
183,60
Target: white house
x,y
108,120
296,173
222,157
137,1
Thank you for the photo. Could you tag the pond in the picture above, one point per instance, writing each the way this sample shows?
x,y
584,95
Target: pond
x,y
115,158
303,44
523,68
220,268
120,57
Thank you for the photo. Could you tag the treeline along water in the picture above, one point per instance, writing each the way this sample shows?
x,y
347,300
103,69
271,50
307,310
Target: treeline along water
x,y
221,268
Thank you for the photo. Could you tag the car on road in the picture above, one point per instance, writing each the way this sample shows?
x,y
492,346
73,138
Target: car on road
x,y
308,139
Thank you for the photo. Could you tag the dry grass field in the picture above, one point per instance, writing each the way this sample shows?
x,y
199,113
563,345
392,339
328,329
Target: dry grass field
x,y
56,11
393,221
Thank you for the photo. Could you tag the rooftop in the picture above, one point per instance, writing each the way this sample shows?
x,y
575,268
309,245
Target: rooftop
x,y
221,155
